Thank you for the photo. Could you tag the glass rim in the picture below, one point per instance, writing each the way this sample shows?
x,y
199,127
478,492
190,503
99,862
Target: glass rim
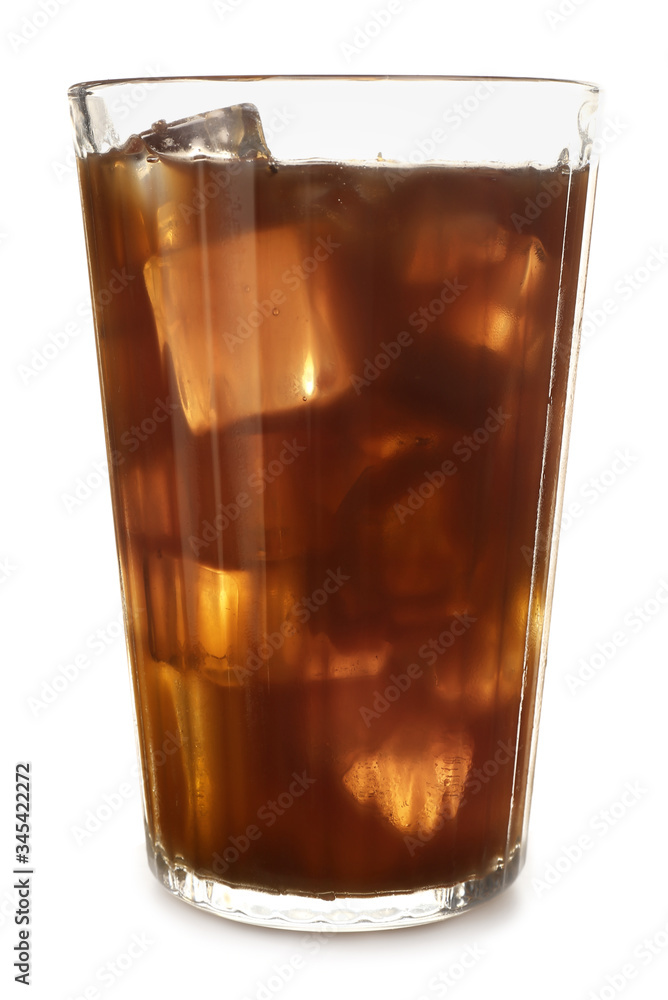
x,y
74,91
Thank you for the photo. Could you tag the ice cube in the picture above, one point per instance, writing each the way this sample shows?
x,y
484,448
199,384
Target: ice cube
x,y
148,492
511,292
239,627
490,278
496,674
408,553
241,339
451,241
226,132
231,627
194,792
413,782
192,614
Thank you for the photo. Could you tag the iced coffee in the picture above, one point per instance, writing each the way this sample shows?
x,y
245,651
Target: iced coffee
x,y
334,396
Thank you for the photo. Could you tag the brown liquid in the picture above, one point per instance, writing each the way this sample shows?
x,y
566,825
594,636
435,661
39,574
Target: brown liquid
x,y
326,502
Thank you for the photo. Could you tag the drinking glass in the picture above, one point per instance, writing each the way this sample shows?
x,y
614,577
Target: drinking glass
x,y
337,326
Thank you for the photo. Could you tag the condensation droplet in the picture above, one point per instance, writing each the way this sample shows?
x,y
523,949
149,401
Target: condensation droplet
x,y
275,312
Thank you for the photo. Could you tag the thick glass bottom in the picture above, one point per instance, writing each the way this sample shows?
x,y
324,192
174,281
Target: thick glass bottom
x,y
290,911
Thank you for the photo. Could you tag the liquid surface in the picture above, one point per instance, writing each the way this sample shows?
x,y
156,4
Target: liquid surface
x,y
327,390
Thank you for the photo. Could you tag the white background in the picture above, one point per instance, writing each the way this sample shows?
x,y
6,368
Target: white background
x,y
59,580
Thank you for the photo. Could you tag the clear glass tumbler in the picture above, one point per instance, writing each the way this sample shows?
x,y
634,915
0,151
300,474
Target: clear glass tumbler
x,y
337,325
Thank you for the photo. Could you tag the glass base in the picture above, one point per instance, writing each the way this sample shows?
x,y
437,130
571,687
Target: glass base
x,y
341,913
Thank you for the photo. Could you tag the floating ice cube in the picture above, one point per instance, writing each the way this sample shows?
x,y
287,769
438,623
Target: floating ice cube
x,y
453,240
413,784
192,614
242,340
226,132
513,293
408,552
